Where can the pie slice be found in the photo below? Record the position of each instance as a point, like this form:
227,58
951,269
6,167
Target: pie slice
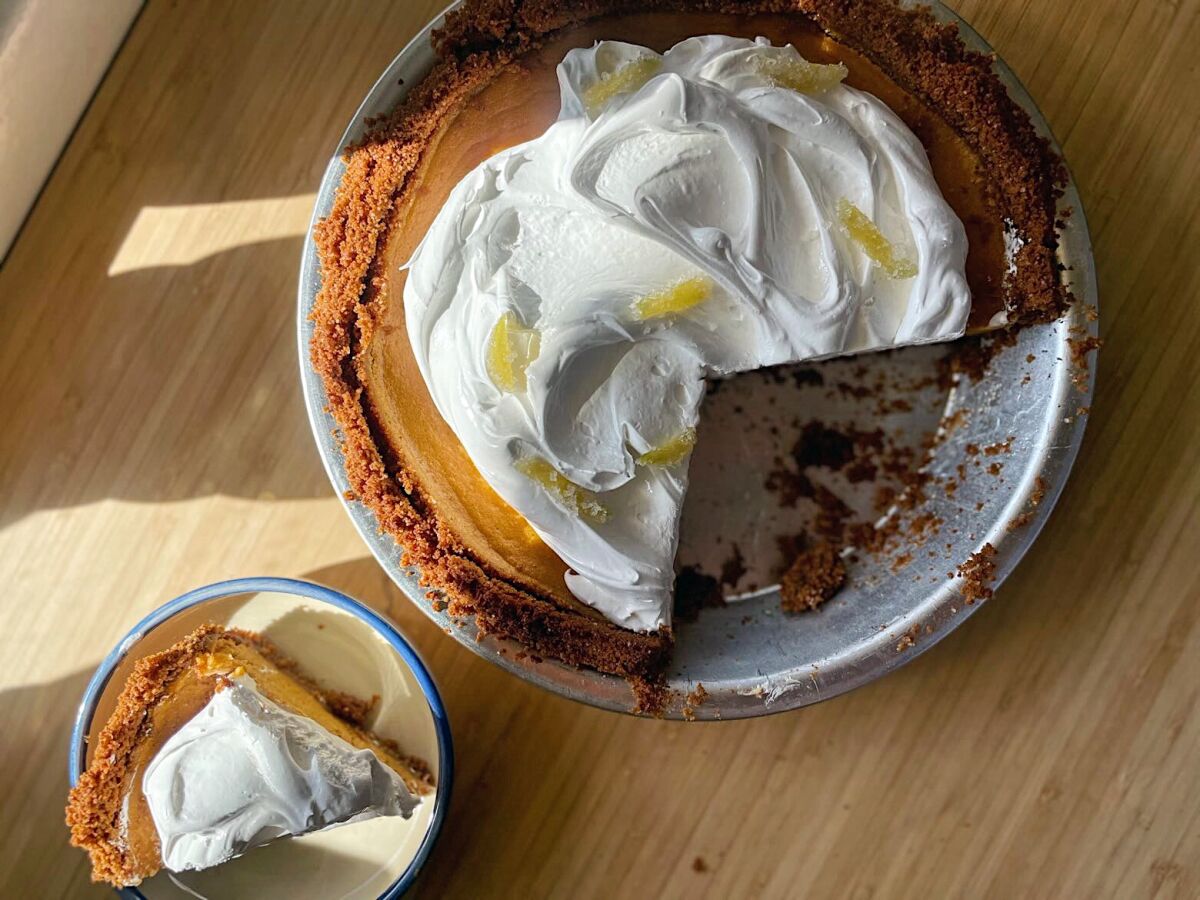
220,744
534,262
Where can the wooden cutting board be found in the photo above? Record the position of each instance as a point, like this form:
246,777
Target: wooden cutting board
154,439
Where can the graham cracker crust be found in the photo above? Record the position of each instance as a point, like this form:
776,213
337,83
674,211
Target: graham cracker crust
923,55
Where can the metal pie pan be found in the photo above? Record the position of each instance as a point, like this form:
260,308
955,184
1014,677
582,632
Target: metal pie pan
751,658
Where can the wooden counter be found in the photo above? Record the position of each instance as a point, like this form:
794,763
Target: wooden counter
154,439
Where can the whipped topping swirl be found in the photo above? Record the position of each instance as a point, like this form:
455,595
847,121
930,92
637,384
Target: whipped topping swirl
711,210
245,771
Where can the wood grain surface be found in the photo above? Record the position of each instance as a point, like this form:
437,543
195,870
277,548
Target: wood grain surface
154,439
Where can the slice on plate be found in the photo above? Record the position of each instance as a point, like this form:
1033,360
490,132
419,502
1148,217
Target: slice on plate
219,744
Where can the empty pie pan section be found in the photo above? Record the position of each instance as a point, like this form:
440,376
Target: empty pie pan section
752,658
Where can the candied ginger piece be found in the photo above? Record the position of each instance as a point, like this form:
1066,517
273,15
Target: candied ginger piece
625,80
671,452
580,501
511,348
800,75
678,298
863,232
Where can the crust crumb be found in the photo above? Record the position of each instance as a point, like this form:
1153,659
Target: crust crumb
693,701
977,574
815,576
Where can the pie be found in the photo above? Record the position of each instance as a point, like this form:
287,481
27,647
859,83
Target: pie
457,269
177,774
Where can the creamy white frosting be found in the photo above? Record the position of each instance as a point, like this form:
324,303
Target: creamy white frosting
709,169
245,771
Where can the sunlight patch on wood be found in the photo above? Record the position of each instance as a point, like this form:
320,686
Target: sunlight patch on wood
184,235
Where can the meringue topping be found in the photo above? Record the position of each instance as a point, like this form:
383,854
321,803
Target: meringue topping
245,771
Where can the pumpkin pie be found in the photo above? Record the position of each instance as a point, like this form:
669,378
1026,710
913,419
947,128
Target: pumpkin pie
580,214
